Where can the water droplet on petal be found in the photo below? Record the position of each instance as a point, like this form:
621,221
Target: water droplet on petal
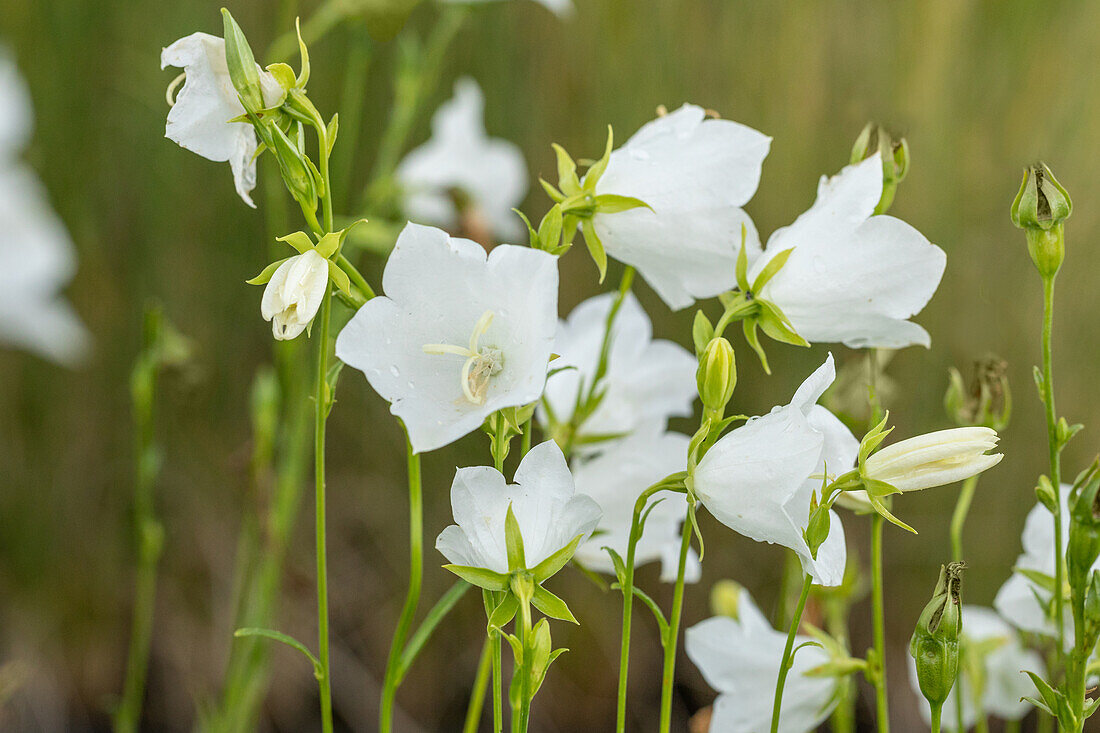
395,371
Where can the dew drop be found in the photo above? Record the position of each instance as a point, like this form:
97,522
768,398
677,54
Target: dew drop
395,371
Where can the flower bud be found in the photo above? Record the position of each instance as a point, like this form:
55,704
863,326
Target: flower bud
294,169
1040,208
934,459
294,294
895,159
1092,611
935,642
725,599
717,374
242,65
817,528
987,402
1083,546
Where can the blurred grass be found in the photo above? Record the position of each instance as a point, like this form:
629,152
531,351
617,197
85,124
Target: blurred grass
979,89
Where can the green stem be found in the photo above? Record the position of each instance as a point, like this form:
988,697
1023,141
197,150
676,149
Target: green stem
1055,462
739,309
412,596
498,681
788,651
959,718
843,719
673,631
481,683
321,414
962,507
878,613
937,710
1011,726
521,707
355,276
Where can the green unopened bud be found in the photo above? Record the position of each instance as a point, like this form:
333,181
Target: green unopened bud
717,374
895,159
817,529
1092,611
725,599
1083,547
292,165
935,642
242,65
987,402
1040,208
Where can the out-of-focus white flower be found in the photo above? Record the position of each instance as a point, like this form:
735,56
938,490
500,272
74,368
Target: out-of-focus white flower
647,381
614,479
549,512
695,174
36,253
458,335
460,157
740,659
998,647
199,119
852,277
1024,603
759,478
294,293
934,459
561,8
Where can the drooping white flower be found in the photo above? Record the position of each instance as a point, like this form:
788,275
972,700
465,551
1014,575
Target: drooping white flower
740,659
36,252
549,512
614,479
1024,603
460,157
852,277
934,459
458,335
199,119
759,478
294,293
695,174
561,8
647,380
1003,683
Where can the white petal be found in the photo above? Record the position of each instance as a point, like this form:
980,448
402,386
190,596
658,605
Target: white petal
810,391
479,501
16,115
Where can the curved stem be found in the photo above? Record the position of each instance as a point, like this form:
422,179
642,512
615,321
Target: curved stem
321,414
412,597
788,651
937,711
481,683
962,507
879,619
1055,462
960,724
673,632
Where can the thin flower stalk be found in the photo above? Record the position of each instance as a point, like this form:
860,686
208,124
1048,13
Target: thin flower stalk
788,651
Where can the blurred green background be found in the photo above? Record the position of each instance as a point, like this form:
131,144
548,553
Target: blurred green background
978,88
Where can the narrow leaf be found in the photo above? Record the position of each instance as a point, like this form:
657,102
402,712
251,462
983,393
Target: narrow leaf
284,639
480,577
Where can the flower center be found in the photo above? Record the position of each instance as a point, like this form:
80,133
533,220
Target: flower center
482,362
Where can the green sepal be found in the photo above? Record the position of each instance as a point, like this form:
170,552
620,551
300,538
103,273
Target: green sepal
596,170
318,670
481,577
881,510
339,278
267,273
550,228
693,520
300,241
595,247
504,612
702,331
775,264
612,203
777,326
873,439
331,131
568,182
303,52
742,268
513,542
749,326
1056,702
555,562
551,605
617,563
532,235
283,74
552,192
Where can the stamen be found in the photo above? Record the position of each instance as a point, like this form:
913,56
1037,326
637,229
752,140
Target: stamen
480,365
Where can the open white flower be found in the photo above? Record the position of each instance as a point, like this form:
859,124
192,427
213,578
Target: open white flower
740,659
561,8
458,336
294,293
549,512
934,459
460,158
852,277
759,478
647,380
1003,684
614,479
36,253
695,174
199,119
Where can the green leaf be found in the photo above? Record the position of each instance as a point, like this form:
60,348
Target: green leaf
651,604
284,639
513,541
1053,698
551,605
553,655
480,577
596,171
555,562
267,273
1044,581
532,235
617,563
300,241
567,172
339,278
775,264
611,203
504,612
595,247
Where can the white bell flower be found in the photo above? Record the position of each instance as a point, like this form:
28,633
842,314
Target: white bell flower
852,277
614,479
1003,682
199,118
934,459
695,174
740,659
461,157
294,293
647,380
543,499
458,335
759,478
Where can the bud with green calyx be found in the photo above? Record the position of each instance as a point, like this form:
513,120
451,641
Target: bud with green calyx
895,159
1040,209
1083,546
716,376
242,65
987,402
935,642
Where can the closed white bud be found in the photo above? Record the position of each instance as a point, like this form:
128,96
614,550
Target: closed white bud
934,459
294,294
